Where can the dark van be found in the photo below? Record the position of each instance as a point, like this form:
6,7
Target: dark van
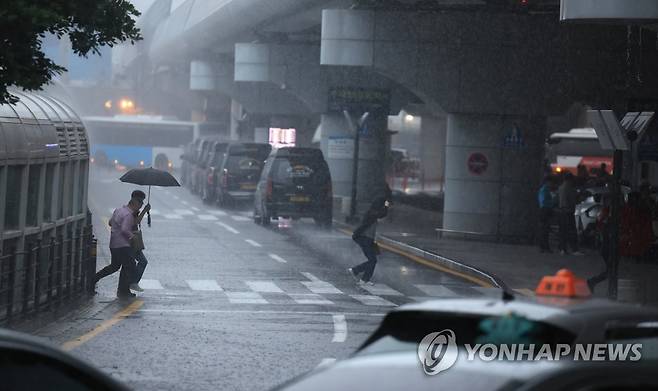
240,171
295,183
213,168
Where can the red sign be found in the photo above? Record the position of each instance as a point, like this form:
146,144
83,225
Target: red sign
477,163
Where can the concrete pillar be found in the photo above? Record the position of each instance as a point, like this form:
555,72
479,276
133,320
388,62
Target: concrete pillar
432,152
492,178
337,144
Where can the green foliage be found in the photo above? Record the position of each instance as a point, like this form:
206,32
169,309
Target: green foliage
89,24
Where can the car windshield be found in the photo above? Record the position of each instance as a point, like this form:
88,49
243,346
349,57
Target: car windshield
229,194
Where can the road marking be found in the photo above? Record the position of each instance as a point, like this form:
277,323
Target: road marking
183,212
176,197
245,298
429,264
436,290
277,258
217,212
204,285
325,362
309,298
310,276
382,289
253,243
321,287
240,218
173,217
422,298
340,328
150,284
264,287
184,202
207,217
228,227
274,312
104,326
373,300
194,208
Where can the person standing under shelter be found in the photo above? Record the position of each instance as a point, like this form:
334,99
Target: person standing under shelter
121,235
546,204
568,198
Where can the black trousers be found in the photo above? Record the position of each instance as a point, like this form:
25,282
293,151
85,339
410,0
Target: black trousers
568,232
122,258
369,250
545,215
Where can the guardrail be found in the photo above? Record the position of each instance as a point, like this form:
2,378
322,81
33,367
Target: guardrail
46,273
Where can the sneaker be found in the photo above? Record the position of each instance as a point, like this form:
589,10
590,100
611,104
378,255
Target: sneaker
367,283
125,295
136,288
577,253
351,273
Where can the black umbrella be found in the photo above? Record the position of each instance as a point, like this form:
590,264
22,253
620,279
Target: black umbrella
149,177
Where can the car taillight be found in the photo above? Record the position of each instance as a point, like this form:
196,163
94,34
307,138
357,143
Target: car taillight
268,190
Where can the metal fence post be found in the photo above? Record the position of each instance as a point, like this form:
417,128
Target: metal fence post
37,275
51,271
59,266
11,283
27,272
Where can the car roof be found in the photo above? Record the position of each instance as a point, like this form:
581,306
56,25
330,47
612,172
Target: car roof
402,370
563,312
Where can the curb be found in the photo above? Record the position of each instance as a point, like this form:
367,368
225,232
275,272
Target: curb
459,267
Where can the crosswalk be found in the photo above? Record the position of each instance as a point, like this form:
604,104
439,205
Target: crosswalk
311,292
194,213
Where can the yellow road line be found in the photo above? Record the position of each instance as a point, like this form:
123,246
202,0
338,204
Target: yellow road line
429,264
104,326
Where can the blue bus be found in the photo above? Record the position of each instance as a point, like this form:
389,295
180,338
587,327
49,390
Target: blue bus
138,141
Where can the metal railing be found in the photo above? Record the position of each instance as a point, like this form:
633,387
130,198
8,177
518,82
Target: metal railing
46,273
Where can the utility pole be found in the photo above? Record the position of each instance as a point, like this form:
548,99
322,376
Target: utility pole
356,129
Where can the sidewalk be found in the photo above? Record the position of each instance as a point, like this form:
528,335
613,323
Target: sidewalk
518,267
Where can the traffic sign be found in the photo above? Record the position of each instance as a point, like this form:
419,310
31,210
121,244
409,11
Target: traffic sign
477,163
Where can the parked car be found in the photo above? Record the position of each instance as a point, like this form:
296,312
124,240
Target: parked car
28,364
213,169
295,183
240,171
389,358
199,170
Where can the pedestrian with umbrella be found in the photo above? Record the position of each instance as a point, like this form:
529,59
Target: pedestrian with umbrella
149,177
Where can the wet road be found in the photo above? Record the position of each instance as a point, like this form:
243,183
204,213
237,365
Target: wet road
232,305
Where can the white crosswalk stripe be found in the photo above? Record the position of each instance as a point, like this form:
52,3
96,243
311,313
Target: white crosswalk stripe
207,217
309,298
240,218
217,212
373,300
173,217
150,284
382,289
245,298
183,212
310,276
194,208
321,287
277,258
436,290
253,243
264,287
204,285
228,227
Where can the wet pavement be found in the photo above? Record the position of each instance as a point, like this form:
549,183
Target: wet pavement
232,305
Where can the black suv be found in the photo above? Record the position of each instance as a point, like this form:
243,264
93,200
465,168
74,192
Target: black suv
240,171
295,183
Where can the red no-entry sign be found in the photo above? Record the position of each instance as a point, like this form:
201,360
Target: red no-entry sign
477,163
